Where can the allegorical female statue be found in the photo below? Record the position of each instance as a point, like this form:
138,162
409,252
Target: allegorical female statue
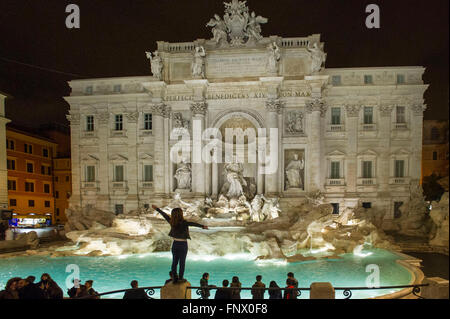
183,175
294,169
198,64
317,57
274,57
156,64
234,174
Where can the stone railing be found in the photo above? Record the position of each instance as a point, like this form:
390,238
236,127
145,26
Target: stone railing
400,126
294,42
367,181
336,128
120,133
369,127
89,133
90,185
146,184
335,181
399,180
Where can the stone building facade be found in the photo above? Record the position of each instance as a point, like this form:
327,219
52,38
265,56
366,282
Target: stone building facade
355,134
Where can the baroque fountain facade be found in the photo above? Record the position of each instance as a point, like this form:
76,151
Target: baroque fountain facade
344,158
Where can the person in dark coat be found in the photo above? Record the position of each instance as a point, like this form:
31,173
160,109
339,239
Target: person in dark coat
136,293
30,290
90,291
11,291
258,288
179,231
235,283
290,292
222,293
274,293
73,291
205,292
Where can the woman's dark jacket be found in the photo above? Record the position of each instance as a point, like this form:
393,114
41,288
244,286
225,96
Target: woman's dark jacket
181,231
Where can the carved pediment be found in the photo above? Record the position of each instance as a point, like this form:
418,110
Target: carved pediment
400,152
89,158
368,152
146,156
118,158
336,153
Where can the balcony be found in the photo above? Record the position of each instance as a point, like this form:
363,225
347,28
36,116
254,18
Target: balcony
335,182
400,126
369,127
118,188
367,181
146,133
122,133
89,134
399,181
336,128
90,188
147,184
91,185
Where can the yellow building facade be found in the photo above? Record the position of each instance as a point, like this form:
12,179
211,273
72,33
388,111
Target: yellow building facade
435,148
30,176
63,187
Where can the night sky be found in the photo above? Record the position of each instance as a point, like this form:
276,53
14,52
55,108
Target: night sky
114,35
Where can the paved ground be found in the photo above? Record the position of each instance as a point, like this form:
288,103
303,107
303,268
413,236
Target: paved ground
434,264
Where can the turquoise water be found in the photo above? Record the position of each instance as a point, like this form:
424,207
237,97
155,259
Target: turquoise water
113,273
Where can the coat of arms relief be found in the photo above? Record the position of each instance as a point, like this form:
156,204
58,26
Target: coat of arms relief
238,26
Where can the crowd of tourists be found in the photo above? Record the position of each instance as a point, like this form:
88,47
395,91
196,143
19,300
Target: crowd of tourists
233,290
46,288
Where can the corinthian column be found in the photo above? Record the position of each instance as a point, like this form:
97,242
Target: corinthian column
273,108
416,139
315,109
159,112
198,109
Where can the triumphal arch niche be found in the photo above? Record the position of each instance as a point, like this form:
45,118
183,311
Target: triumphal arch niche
353,134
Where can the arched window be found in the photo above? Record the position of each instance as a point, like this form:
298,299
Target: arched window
434,133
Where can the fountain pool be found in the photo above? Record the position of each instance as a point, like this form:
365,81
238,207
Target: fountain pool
113,273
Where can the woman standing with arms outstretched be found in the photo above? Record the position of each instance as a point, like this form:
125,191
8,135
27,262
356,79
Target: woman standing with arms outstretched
179,231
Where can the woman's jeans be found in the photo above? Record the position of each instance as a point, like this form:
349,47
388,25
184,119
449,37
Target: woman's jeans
179,252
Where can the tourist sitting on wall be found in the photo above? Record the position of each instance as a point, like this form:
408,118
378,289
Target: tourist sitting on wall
90,291
29,290
235,293
44,285
258,288
290,292
274,291
223,293
204,283
179,231
73,291
80,292
10,291
136,293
